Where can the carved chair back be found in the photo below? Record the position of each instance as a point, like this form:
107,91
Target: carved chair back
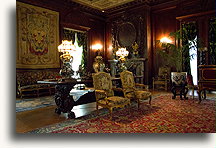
103,81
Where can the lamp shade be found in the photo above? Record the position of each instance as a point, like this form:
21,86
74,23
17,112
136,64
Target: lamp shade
66,46
122,52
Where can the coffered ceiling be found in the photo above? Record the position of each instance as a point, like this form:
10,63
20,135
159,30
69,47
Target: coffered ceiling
103,4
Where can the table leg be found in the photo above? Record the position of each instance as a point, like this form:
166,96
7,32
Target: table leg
202,95
63,100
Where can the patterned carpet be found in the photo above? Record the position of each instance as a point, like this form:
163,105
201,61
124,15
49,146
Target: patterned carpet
164,116
34,103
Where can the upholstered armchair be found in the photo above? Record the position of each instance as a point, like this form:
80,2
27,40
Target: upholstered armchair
163,78
104,93
132,90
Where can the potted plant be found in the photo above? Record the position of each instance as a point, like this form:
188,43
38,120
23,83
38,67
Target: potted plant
175,55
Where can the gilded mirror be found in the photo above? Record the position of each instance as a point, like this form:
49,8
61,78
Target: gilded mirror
126,34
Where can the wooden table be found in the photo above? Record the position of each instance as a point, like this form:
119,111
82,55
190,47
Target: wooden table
63,99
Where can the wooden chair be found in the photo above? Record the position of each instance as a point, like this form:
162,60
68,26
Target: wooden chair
190,84
134,90
104,93
163,78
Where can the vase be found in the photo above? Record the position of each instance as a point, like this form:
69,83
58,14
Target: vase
179,78
179,82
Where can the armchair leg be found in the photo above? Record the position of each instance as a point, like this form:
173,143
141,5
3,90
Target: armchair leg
97,109
150,98
129,108
138,103
193,93
110,110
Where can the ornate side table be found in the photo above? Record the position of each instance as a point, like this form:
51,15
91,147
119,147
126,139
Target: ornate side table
63,99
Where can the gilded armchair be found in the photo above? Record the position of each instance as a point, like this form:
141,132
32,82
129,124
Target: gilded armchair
163,78
132,90
104,93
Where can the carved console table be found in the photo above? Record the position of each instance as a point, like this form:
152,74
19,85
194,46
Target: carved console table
63,99
207,80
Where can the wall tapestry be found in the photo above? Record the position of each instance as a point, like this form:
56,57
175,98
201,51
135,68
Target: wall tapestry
37,37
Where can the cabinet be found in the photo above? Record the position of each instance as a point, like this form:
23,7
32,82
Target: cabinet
207,80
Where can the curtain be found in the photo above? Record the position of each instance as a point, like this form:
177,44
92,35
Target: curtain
212,41
69,34
189,33
82,41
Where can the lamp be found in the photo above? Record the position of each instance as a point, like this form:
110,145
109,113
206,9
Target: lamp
165,40
122,53
98,64
97,47
66,48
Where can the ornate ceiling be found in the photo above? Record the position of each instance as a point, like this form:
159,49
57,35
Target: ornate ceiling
104,5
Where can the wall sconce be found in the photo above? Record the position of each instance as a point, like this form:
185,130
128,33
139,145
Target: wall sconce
98,48
165,40
98,64
66,48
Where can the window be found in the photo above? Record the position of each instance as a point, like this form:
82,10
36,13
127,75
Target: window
79,39
193,59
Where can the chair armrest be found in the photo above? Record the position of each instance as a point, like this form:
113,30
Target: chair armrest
100,94
141,85
117,89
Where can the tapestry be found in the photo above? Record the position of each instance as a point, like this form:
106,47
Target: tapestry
37,37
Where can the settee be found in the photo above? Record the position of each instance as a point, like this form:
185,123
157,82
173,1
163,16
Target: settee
27,86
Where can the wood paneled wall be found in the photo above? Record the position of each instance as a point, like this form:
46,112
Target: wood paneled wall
167,17
140,18
159,20
76,17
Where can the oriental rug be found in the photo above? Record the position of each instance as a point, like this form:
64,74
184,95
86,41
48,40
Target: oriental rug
34,103
165,115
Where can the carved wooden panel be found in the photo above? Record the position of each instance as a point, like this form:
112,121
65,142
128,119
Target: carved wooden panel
127,30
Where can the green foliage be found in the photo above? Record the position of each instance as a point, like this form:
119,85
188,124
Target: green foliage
176,55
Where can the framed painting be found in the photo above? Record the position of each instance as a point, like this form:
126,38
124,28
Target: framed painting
37,37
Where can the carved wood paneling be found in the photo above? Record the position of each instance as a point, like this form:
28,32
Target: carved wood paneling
123,36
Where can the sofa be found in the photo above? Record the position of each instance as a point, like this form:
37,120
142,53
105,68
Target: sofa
27,86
